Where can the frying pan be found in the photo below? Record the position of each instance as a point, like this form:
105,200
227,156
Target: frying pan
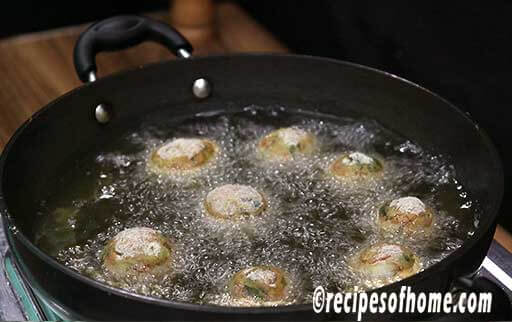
104,109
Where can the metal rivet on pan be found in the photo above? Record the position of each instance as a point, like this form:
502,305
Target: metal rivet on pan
201,88
91,77
102,114
183,53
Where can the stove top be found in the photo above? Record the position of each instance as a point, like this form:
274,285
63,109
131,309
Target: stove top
18,302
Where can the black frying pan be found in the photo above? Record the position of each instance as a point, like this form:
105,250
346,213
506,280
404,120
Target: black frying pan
104,109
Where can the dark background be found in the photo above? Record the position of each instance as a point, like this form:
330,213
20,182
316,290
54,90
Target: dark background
459,49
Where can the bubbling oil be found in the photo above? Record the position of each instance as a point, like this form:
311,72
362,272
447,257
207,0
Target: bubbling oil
311,228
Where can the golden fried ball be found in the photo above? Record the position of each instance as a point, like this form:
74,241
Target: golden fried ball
182,154
234,201
285,143
387,261
260,285
137,251
407,214
355,164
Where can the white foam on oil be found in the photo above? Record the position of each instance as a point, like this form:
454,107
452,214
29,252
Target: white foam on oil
313,223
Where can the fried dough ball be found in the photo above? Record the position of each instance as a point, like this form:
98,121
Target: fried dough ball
182,154
355,164
285,143
234,201
138,251
258,285
386,261
407,214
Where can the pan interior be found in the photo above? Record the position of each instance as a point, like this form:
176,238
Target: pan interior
313,226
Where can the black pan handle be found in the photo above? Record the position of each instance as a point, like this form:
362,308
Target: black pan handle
122,32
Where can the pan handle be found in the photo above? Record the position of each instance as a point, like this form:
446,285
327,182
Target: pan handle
122,32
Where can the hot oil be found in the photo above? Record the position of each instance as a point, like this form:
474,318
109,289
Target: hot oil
314,222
